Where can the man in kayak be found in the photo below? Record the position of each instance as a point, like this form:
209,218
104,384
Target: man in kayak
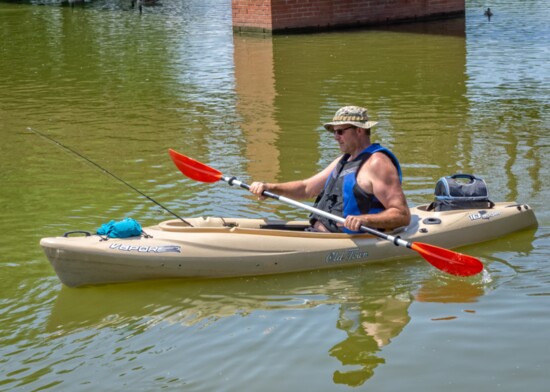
363,185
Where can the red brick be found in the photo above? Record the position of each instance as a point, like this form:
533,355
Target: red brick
276,15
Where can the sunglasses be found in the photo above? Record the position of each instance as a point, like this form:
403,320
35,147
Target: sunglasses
340,132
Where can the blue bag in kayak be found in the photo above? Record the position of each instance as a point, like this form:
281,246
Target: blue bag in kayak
127,227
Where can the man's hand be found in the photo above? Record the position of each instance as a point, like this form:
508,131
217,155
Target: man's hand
258,188
354,223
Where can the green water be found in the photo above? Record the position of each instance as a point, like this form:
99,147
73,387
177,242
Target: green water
464,95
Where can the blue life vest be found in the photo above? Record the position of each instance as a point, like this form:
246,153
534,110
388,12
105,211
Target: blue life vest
342,196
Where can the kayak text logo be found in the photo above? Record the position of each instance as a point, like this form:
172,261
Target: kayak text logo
346,255
146,249
483,215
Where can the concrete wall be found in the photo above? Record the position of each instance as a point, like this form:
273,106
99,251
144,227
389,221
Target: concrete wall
279,16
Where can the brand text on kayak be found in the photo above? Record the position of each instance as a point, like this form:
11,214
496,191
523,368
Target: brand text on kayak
146,249
346,255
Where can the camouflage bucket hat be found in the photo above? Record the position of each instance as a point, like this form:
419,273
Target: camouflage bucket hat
353,115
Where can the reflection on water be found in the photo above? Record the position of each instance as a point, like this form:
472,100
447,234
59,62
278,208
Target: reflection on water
200,301
449,290
369,325
255,87
371,312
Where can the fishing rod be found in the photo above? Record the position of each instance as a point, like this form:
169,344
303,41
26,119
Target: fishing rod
67,148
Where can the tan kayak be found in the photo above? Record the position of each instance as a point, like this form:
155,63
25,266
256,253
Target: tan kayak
227,247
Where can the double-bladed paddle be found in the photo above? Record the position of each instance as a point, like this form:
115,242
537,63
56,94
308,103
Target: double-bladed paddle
444,259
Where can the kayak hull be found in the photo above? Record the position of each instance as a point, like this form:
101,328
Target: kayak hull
236,247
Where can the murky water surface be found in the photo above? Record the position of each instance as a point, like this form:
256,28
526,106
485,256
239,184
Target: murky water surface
464,95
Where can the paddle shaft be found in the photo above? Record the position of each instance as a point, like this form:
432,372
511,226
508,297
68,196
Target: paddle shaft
396,240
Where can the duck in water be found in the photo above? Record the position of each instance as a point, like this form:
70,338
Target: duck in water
141,3
488,13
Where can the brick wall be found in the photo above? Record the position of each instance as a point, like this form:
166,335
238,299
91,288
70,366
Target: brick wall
285,15
252,14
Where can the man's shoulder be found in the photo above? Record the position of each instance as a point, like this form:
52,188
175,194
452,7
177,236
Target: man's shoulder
378,165
379,156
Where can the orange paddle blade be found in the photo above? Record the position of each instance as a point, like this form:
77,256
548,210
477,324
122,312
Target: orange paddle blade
194,169
448,261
